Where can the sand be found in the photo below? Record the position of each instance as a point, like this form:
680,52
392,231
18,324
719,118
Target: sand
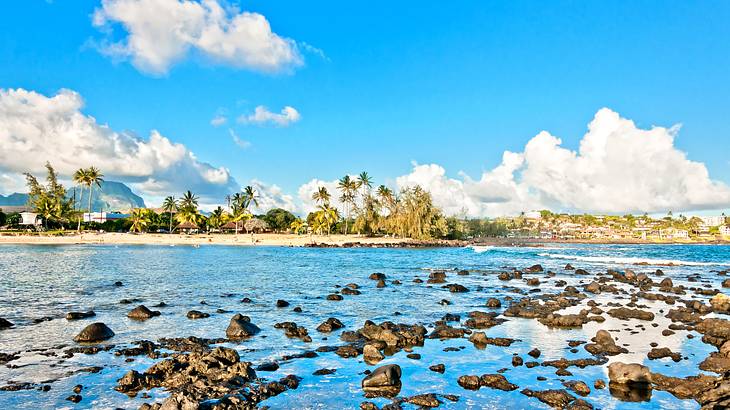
265,239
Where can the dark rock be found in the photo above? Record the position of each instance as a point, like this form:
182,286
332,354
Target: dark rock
632,373
334,297
195,314
662,352
626,314
604,344
241,327
438,368
95,332
493,303
267,367
534,353
141,312
4,323
324,372
428,400
282,303
578,387
76,315
469,382
384,380
496,381
330,325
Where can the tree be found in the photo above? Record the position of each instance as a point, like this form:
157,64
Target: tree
297,226
324,218
189,201
348,188
170,206
94,177
251,196
81,178
217,218
279,219
50,200
140,219
322,196
365,182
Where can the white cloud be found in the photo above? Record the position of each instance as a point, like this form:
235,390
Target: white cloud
218,120
618,168
262,115
306,190
272,196
243,144
35,129
160,33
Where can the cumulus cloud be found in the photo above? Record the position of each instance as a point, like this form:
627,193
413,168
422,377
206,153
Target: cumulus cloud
160,33
306,190
272,196
218,120
618,168
262,115
35,128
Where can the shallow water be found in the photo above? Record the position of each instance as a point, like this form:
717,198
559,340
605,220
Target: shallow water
49,281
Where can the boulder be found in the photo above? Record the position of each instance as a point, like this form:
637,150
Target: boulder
628,373
141,312
95,332
604,344
493,303
79,315
195,314
720,303
330,325
4,323
496,381
241,327
371,354
384,380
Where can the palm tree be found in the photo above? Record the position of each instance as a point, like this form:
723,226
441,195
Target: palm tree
217,218
322,195
139,219
81,178
364,181
95,177
326,216
251,196
189,201
347,187
297,226
228,200
170,205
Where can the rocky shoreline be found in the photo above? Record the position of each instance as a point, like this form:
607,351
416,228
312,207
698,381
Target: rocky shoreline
201,374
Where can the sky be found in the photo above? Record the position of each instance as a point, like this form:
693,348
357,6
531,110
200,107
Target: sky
495,107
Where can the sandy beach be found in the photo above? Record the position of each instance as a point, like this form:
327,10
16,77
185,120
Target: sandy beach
264,239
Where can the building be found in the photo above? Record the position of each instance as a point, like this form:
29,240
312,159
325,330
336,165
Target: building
30,218
725,230
712,221
101,217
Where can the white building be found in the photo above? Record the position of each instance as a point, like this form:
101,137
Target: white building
30,218
725,230
102,217
712,221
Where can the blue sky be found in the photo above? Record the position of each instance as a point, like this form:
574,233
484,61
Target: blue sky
453,84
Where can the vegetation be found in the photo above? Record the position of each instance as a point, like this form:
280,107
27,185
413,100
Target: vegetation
278,219
49,201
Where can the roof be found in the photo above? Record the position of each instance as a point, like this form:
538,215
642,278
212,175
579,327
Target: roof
187,225
230,225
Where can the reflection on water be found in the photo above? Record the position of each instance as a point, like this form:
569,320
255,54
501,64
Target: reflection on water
49,281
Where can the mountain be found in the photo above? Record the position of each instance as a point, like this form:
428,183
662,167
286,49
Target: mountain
112,196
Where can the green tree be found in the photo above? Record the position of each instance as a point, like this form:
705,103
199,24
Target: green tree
94,177
279,219
140,220
348,189
170,206
49,200
322,196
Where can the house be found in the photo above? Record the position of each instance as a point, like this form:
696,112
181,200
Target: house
725,230
102,217
712,221
30,218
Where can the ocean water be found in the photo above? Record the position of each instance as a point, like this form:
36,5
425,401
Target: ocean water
49,281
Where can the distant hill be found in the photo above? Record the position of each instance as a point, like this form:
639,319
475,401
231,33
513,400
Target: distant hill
113,196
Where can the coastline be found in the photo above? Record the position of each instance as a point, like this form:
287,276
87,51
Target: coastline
272,239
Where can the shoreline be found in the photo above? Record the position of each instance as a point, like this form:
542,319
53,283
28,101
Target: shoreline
290,240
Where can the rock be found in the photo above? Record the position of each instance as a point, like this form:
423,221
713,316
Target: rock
74,398
438,368
371,354
384,377
456,288
496,381
493,303
659,353
726,283
95,332
282,303
534,353
631,373
720,303
480,339
194,314
558,399
4,323
517,361
347,351
428,400
267,367
564,321
334,297
377,276
604,344
142,313
241,327
578,387
380,284
593,287
469,382
626,314
118,283
324,372
599,384
533,282
534,269
666,283
436,277
330,325
77,315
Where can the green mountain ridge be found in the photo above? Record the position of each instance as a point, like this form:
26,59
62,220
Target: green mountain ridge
112,196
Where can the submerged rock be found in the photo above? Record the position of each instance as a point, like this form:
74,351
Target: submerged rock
195,314
95,332
78,315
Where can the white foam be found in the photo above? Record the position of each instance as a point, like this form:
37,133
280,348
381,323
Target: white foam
628,260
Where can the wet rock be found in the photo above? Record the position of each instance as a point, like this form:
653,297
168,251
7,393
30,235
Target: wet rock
95,332
293,330
726,283
720,303
558,399
330,325
75,315
636,392
436,277
469,382
348,291
377,276
371,354
384,380
482,320
74,398
626,314
4,323
493,303
496,381
666,283
569,267
481,339
267,367
282,303
456,288
564,321
604,344
438,368
428,400
334,297
534,353
683,388
141,312
324,372
578,387
533,282
241,327
534,269
631,373
517,361
599,384
380,284
195,314
347,351
662,352
393,335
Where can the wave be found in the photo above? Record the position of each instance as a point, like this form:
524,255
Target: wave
481,248
628,260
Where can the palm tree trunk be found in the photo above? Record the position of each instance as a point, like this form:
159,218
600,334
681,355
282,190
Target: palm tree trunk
91,187
170,231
